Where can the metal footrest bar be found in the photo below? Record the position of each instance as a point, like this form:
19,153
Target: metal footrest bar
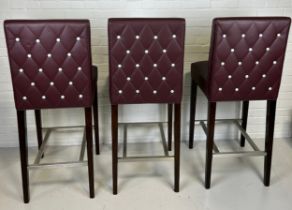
126,158
217,153
36,164
144,158
59,164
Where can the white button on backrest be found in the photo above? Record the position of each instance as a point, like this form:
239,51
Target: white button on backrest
40,70
163,78
119,66
257,62
220,89
246,76
146,78
270,88
128,78
60,69
260,35
49,55
51,83
37,41
43,97
155,37
29,55
137,37
80,96
249,49
24,98
70,83
58,39
264,75
128,51
78,38
267,49
239,63
242,35
79,68
253,88
118,36
120,91
137,91
17,39
236,89
32,84
278,35
137,65
229,76
154,65
224,35
20,70
232,50
164,50
146,51
172,65
274,62
62,97
69,54
154,91
174,36
222,63
171,91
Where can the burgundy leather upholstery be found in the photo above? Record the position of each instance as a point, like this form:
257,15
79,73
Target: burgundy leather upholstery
146,60
246,59
50,62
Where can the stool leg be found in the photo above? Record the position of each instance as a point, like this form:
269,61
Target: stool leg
210,143
96,126
169,126
192,113
177,114
244,121
88,131
22,132
115,147
270,123
38,121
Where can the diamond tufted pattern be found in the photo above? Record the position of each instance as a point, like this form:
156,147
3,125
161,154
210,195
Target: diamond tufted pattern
50,62
246,59
146,60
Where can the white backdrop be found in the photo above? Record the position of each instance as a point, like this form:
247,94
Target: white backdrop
198,15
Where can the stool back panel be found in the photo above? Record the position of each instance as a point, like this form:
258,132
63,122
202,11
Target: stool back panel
50,63
246,58
146,60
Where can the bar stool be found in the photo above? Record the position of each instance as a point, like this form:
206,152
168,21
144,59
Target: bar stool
146,66
50,63
245,63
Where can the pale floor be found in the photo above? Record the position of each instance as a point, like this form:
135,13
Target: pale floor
236,182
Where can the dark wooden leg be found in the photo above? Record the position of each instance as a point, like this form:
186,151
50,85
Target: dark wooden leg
244,121
22,132
88,127
95,116
192,114
38,121
169,126
177,113
210,143
270,123
115,147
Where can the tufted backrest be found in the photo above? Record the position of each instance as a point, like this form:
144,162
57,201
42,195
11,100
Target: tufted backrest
50,62
246,58
146,60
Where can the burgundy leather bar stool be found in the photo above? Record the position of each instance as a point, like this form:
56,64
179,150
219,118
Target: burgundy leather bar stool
245,63
50,63
146,66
